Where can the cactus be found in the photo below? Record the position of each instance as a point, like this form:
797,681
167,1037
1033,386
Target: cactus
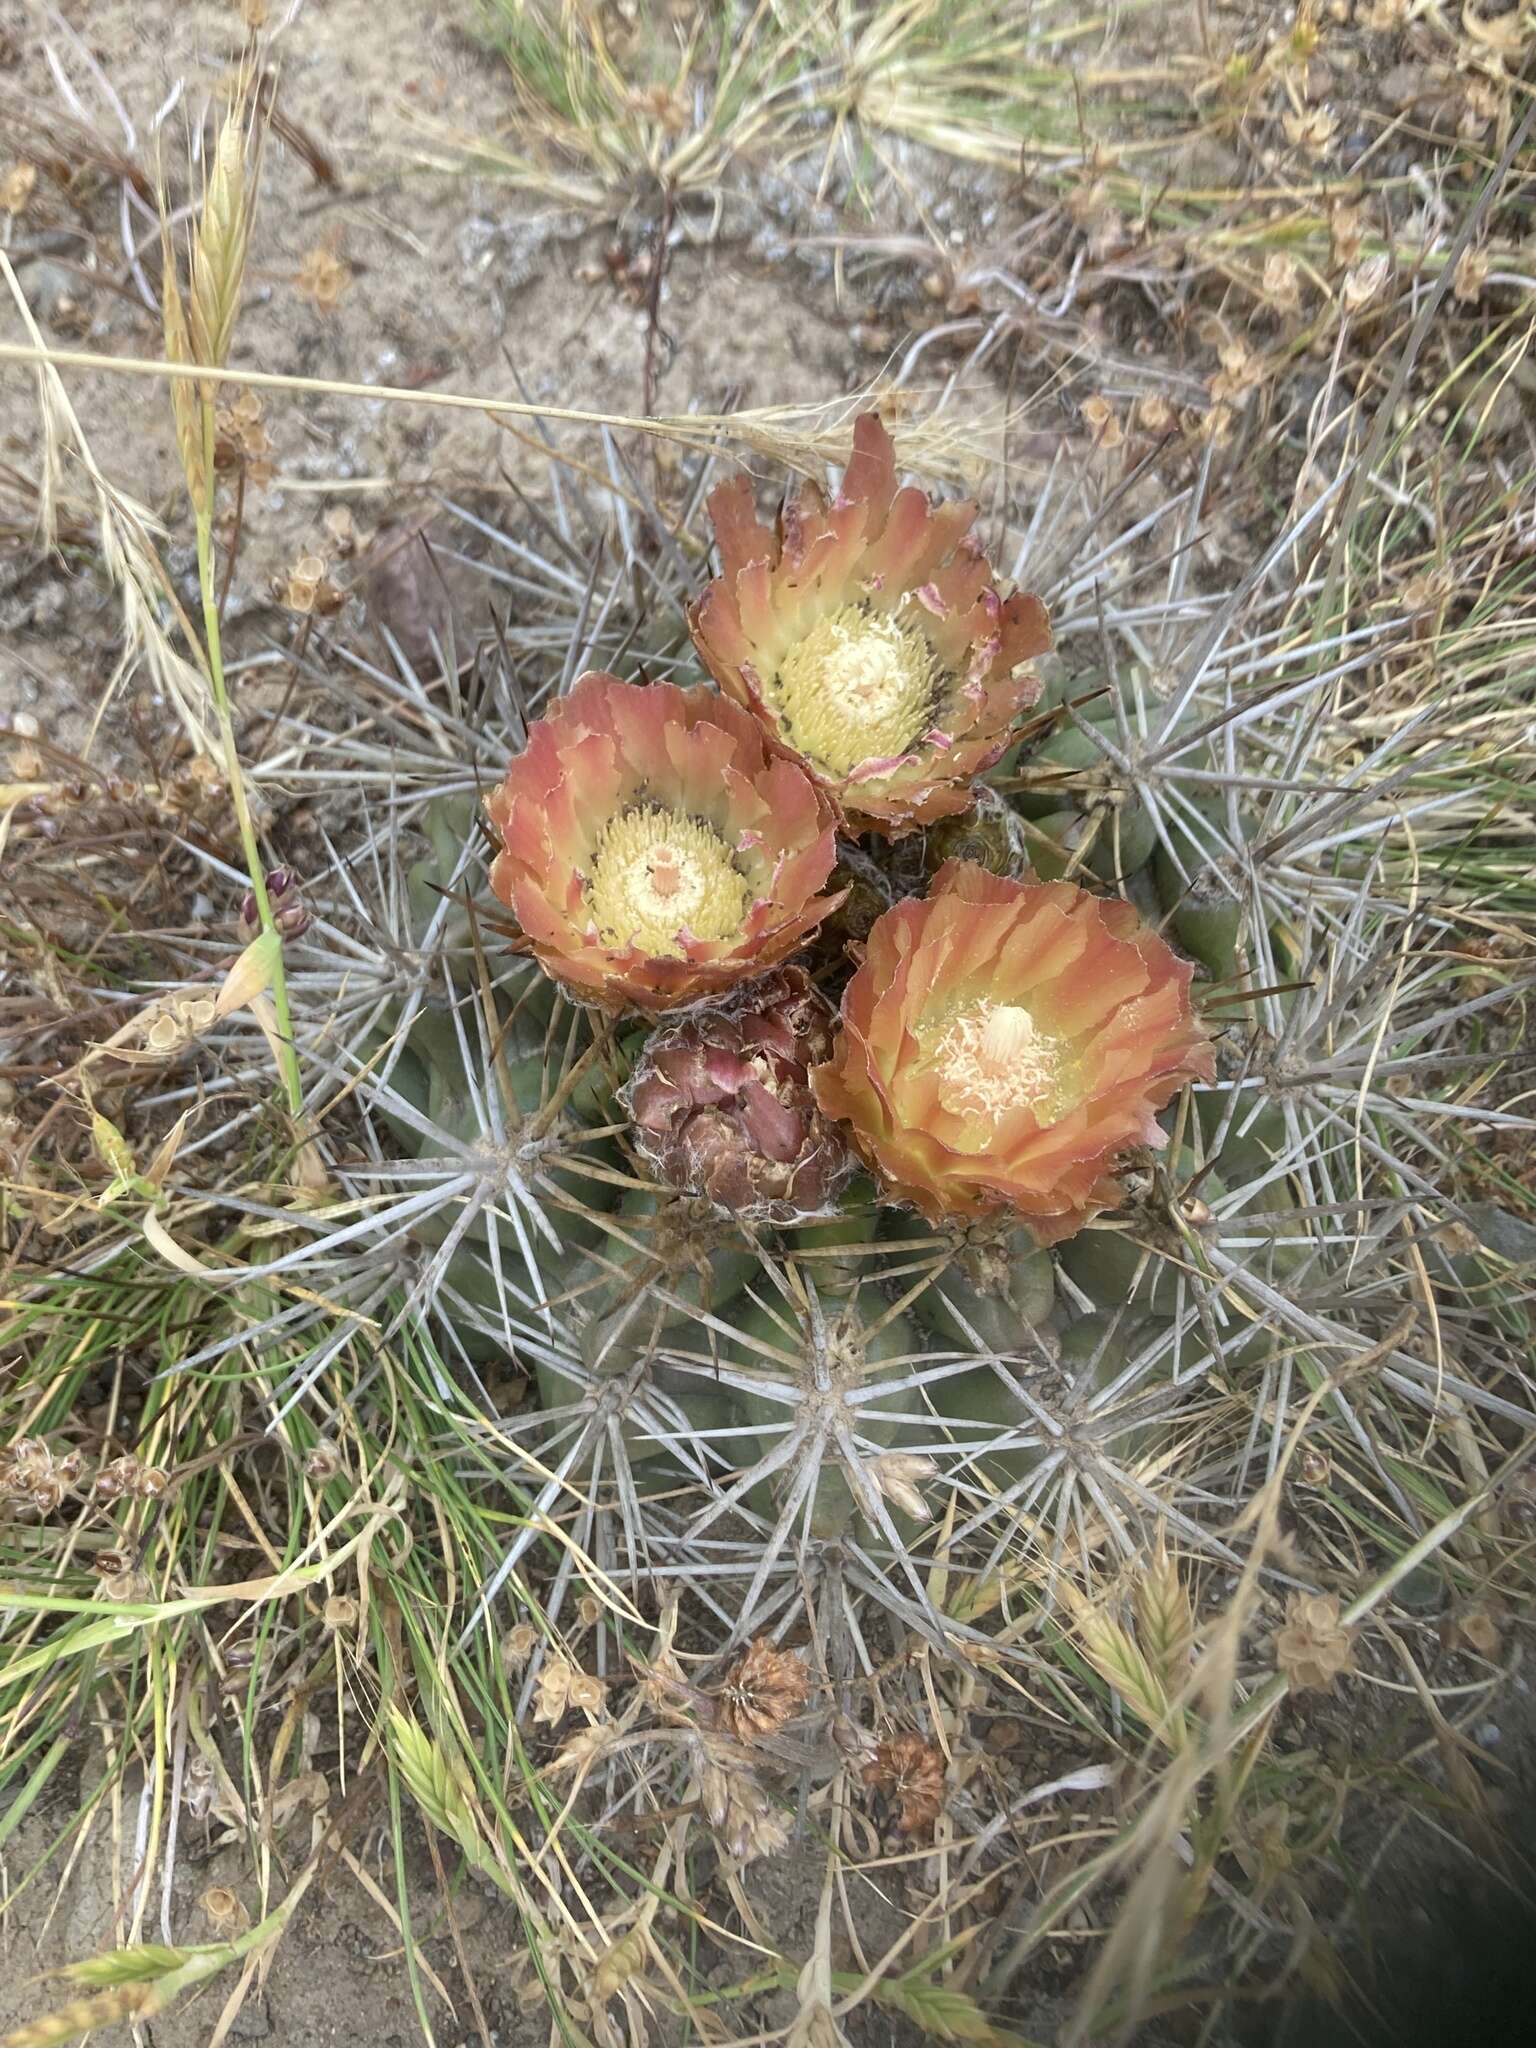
763,1370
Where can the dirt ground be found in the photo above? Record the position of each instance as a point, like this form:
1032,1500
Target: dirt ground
446,280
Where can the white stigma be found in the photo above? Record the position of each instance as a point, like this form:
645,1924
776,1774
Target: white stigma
996,1058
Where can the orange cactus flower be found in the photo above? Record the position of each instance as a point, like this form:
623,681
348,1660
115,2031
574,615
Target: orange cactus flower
655,848
1004,1042
868,636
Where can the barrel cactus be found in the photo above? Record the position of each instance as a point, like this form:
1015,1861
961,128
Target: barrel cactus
839,1130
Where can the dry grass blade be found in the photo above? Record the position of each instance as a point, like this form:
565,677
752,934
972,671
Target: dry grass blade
801,438
126,533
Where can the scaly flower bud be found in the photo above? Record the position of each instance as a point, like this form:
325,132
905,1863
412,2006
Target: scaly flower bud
722,1106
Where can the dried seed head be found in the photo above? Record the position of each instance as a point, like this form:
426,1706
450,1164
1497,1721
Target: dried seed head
16,187
226,1911
563,1686
1470,276
744,1821
1104,428
766,1689
322,279
586,1693
1313,1650
133,1587
27,1460
1478,1626
322,1464
554,1691
518,1645
898,1475
197,1787
32,1477
1282,281
1365,282
910,1772
119,1478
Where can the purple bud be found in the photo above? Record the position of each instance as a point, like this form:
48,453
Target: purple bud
289,915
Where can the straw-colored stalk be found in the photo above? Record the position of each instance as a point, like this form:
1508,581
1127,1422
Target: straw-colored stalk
198,331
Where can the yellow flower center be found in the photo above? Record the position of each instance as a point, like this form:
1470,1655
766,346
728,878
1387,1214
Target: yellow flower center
657,874
860,686
995,1058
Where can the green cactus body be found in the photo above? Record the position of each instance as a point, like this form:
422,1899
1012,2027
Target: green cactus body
1080,797
612,1347
1124,842
688,1249
1208,925
1113,1264
625,1323
853,1346
999,1282
838,1255
981,1400
1095,1351
1070,752
1051,841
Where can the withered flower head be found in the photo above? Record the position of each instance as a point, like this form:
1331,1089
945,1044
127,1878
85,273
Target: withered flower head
655,848
31,1476
910,1772
290,914
1005,1042
868,635
1313,1649
766,1689
721,1103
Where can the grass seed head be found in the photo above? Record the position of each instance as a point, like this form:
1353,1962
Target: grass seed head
744,1820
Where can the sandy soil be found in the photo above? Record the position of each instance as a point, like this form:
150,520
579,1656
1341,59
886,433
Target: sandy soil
445,280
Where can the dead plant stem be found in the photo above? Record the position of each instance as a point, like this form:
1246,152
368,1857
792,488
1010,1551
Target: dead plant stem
207,586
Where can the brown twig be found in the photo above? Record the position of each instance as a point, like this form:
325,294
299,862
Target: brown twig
653,301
